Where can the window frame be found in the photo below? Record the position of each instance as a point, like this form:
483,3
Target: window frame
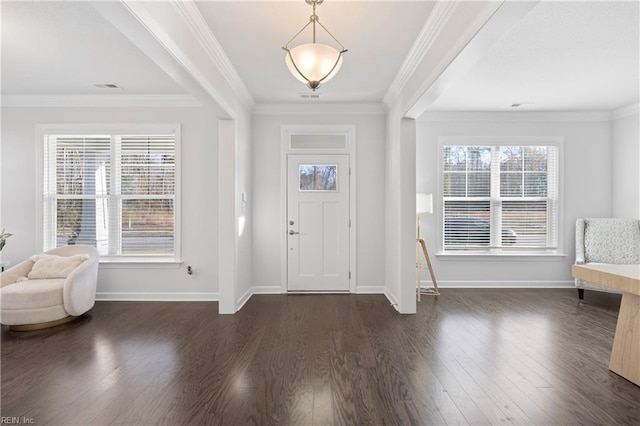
44,130
556,141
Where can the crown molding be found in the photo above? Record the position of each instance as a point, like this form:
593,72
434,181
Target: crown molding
559,116
439,16
190,14
100,101
627,111
319,108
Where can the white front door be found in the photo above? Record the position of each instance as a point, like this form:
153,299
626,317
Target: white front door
318,223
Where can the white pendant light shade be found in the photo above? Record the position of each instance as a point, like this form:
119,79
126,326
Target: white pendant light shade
313,63
317,62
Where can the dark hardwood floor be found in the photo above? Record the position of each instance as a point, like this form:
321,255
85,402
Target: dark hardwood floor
468,357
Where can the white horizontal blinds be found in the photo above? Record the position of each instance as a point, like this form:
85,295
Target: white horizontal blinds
467,197
114,192
147,193
500,198
528,192
76,184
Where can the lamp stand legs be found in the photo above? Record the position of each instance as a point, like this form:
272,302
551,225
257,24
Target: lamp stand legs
422,245
418,267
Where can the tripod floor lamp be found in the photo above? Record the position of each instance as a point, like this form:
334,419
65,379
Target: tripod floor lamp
424,204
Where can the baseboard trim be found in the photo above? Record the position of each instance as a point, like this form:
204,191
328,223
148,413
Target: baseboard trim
370,289
500,284
156,297
244,299
214,297
278,290
267,290
256,290
391,298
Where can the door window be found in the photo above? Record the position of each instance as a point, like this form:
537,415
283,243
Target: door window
318,177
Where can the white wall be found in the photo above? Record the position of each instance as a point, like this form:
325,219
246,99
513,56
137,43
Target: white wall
586,187
199,197
266,203
626,162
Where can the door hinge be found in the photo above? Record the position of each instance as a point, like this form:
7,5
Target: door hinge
349,223
349,274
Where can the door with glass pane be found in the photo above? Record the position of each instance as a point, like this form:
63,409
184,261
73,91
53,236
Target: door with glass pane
318,223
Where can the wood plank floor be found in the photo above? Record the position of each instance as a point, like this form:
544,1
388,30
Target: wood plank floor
468,357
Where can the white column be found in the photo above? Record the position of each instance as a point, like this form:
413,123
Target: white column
407,217
227,235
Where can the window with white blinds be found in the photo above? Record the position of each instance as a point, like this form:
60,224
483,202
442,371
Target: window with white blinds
116,192
500,197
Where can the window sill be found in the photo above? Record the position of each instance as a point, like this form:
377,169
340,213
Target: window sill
500,256
140,263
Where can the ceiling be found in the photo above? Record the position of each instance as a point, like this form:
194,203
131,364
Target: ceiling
559,56
63,48
252,35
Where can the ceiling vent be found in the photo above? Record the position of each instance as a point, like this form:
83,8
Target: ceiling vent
310,95
519,104
107,86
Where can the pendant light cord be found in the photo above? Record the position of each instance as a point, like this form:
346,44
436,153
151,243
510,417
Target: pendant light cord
313,19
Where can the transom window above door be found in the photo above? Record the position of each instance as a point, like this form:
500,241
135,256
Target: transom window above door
318,141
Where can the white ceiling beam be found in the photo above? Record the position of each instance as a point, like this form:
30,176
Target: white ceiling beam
431,30
172,35
450,27
508,15
191,15
132,28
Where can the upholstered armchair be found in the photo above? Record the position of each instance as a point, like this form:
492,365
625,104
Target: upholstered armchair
606,241
49,289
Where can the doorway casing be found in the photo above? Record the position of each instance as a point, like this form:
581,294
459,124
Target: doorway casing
286,131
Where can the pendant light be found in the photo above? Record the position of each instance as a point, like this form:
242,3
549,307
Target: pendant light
313,63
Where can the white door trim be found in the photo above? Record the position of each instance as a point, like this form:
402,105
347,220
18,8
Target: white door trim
285,134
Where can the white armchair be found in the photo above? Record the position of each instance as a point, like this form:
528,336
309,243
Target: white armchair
606,241
49,289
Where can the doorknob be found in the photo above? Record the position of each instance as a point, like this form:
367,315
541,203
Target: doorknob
292,232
